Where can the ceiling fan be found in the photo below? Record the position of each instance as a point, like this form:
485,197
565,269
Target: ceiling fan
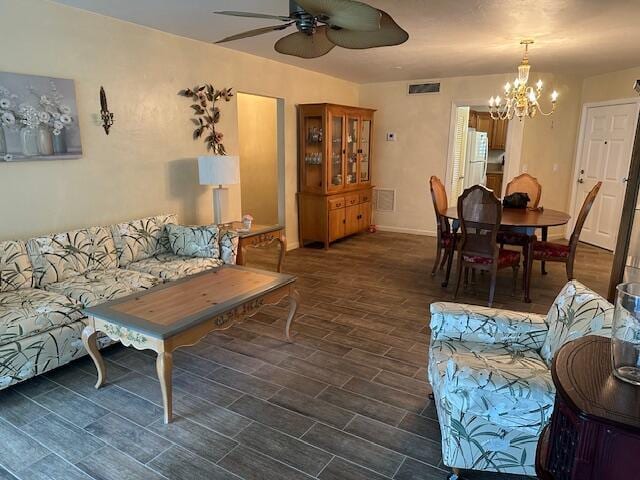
323,24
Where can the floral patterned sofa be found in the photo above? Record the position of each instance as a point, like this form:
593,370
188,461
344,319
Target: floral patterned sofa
491,378
45,284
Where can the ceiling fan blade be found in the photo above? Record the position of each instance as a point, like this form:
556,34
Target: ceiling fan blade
254,15
348,14
253,33
390,33
305,46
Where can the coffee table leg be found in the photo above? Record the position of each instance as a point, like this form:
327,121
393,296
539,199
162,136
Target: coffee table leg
164,367
294,300
89,340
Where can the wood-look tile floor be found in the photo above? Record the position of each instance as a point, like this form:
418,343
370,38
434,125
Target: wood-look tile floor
347,400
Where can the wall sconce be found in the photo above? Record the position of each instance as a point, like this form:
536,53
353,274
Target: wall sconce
107,116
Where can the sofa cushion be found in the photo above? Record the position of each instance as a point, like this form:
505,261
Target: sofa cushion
194,241
576,312
15,267
170,267
58,257
28,311
141,239
510,387
99,286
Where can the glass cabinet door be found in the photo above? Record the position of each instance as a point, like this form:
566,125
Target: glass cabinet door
351,174
336,150
365,152
313,153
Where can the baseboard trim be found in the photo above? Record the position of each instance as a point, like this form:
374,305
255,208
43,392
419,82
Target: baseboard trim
292,245
412,231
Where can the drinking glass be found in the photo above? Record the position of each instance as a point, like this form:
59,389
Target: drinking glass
625,335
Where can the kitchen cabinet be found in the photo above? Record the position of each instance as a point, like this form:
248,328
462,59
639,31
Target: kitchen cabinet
498,137
334,180
494,182
484,123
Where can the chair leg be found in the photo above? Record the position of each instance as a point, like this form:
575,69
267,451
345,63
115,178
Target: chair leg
449,266
515,279
455,475
492,288
447,252
437,262
455,295
569,267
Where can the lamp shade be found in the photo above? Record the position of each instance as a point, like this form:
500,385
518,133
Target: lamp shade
219,170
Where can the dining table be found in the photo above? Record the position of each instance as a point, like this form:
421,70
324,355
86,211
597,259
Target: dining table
518,219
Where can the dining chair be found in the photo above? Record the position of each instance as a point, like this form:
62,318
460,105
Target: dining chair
480,213
557,252
521,236
446,239
525,183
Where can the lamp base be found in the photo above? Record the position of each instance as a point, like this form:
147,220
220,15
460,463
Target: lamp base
217,205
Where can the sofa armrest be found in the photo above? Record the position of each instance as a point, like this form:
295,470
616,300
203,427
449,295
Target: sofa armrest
472,323
229,246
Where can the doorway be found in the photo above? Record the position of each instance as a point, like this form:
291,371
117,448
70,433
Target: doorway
604,155
261,149
478,151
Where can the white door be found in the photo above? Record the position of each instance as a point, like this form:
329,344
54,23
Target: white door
605,156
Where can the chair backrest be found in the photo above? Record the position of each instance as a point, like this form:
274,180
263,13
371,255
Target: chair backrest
525,183
440,204
582,216
480,213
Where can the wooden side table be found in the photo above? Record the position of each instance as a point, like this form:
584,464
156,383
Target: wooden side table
594,432
260,236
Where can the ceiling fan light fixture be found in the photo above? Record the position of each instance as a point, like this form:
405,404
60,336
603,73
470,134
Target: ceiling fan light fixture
389,34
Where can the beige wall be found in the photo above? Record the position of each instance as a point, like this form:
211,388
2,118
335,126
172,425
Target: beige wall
147,164
422,124
610,86
257,134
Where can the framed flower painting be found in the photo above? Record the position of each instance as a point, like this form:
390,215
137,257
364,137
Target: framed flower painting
38,118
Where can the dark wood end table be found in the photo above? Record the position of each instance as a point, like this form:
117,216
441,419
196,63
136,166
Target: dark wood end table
594,432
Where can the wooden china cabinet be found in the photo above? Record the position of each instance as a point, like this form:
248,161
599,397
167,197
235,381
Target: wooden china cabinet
334,175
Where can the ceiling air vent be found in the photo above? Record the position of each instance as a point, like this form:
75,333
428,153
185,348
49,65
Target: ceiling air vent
384,199
423,88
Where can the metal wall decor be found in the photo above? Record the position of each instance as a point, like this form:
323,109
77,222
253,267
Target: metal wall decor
107,116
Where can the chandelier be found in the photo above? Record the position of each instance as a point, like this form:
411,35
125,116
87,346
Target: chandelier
520,100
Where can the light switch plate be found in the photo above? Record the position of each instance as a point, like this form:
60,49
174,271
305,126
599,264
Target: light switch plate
391,137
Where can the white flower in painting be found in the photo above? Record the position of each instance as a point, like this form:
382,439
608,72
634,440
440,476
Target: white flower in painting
497,444
44,117
58,125
66,119
5,103
8,118
57,132
8,157
27,370
55,115
5,381
65,110
44,100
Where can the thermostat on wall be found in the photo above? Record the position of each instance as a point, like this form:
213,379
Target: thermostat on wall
391,137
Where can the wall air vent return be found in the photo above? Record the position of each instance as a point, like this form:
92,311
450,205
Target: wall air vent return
423,88
384,199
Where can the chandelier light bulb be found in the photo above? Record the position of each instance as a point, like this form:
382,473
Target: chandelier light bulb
491,101
554,96
532,97
516,83
507,87
539,84
498,101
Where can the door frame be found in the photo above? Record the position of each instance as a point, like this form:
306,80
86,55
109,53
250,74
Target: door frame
579,152
513,151
280,153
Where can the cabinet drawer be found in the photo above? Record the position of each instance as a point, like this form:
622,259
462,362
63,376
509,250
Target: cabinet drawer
352,199
336,203
365,197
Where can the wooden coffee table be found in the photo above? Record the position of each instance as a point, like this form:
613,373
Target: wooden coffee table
181,313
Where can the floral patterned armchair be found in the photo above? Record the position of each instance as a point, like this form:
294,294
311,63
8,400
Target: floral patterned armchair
491,378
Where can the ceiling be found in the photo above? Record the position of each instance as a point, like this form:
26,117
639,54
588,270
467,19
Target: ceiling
448,37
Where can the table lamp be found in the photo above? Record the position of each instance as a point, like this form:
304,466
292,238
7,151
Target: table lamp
218,170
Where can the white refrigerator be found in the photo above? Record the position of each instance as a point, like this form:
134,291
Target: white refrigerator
476,158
